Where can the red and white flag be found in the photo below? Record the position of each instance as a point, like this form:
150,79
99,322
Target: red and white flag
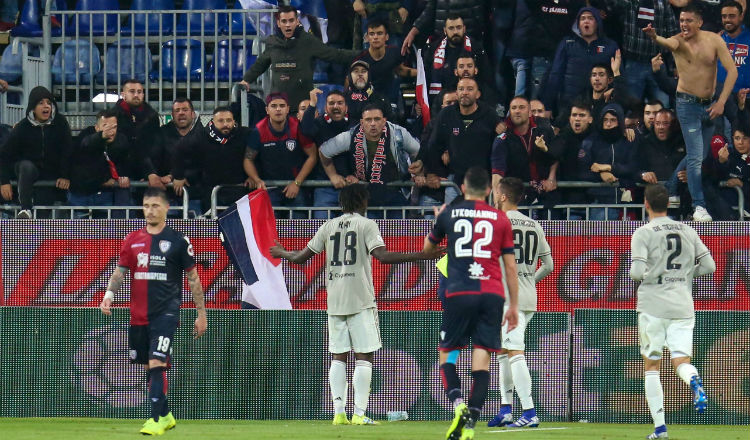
421,93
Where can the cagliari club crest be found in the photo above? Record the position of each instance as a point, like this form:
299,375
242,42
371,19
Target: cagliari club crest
164,246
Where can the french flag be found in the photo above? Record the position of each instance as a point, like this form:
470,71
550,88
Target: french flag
421,93
248,231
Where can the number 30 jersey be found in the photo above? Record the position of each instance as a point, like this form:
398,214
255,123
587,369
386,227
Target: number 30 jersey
669,250
348,241
530,245
478,235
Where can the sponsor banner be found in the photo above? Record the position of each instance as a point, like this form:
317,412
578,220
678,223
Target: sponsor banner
68,263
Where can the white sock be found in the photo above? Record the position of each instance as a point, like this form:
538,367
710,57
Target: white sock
686,372
522,380
654,396
506,380
361,380
337,380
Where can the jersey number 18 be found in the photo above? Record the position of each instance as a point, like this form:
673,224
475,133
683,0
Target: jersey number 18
349,251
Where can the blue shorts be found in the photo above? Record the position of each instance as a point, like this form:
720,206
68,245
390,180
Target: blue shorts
153,340
472,317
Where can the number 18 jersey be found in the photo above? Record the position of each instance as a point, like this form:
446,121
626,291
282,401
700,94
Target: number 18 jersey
348,241
478,235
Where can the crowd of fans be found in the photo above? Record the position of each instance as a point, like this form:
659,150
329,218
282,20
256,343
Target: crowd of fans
533,89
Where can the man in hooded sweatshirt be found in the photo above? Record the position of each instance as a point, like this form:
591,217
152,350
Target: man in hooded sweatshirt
291,51
361,93
38,148
608,156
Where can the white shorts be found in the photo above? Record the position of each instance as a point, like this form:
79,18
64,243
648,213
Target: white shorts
657,333
360,332
514,340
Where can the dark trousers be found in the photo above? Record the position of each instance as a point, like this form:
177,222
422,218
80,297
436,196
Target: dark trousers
27,173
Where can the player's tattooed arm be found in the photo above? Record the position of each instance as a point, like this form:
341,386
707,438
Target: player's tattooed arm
196,289
116,279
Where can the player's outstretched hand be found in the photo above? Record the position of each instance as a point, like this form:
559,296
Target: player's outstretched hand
106,306
435,253
511,318
278,250
201,324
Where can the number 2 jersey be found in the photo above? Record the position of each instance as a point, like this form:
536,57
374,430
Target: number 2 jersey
664,255
348,241
156,263
478,235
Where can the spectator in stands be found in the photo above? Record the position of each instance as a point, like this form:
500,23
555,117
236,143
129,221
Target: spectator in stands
393,14
435,15
564,149
737,38
522,152
301,108
730,165
538,28
277,150
634,120
608,156
381,153
431,193
661,150
362,93
291,52
334,120
575,55
650,110
185,122
466,67
462,136
218,150
139,123
537,108
638,49
665,76
38,148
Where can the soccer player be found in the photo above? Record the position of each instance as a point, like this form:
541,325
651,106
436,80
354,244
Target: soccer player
156,256
348,241
530,247
478,236
666,256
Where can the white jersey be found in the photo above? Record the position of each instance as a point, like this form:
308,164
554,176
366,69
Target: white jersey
348,241
669,250
530,246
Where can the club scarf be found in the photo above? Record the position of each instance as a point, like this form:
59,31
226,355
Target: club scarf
363,95
215,134
378,160
439,57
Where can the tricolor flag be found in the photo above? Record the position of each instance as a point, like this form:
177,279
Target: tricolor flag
422,90
248,230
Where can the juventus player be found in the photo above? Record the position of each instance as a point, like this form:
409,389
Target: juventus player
348,241
530,246
666,256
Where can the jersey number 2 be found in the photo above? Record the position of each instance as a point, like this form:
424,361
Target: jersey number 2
463,243
674,244
350,249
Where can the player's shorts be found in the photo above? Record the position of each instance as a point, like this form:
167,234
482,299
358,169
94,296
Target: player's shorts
471,317
514,340
153,340
360,332
657,333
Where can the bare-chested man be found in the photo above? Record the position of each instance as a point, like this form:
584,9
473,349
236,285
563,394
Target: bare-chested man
696,53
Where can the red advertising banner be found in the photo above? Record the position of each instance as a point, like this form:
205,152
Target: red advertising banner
68,263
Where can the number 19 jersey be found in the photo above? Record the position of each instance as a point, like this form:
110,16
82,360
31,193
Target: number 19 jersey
669,249
478,235
348,241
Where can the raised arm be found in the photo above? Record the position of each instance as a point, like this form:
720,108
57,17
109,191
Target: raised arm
670,43
196,289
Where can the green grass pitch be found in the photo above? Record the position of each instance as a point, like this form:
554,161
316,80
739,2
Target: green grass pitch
113,429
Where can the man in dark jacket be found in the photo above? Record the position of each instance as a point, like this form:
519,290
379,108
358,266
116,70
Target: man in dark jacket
219,150
661,150
608,156
432,19
730,165
291,52
522,152
361,93
185,122
38,148
574,58
564,148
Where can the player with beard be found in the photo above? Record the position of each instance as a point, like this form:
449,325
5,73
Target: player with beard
361,93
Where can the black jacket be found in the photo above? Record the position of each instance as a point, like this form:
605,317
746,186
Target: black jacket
220,163
474,13
357,100
620,95
140,126
539,25
564,148
517,156
90,169
47,145
660,157
321,129
163,152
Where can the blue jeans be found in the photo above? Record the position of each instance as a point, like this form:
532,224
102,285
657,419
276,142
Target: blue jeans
101,198
429,202
697,130
539,68
279,199
325,197
640,79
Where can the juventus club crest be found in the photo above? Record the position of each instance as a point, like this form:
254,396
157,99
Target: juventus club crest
164,246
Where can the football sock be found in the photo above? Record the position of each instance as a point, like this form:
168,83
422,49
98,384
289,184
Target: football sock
361,380
337,380
478,392
157,391
654,396
506,379
522,380
451,383
686,372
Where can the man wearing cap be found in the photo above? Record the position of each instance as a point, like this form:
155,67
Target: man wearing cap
361,92
277,150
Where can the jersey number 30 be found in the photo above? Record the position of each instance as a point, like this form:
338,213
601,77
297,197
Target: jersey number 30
483,231
525,246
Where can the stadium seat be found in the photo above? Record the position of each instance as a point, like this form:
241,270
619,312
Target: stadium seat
75,59
11,66
326,88
315,8
235,60
98,24
139,23
30,20
180,59
260,22
211,22
131,56
236,22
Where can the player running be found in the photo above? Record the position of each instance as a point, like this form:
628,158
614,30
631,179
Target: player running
156,256
530,247
478,235
348,241
666,256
